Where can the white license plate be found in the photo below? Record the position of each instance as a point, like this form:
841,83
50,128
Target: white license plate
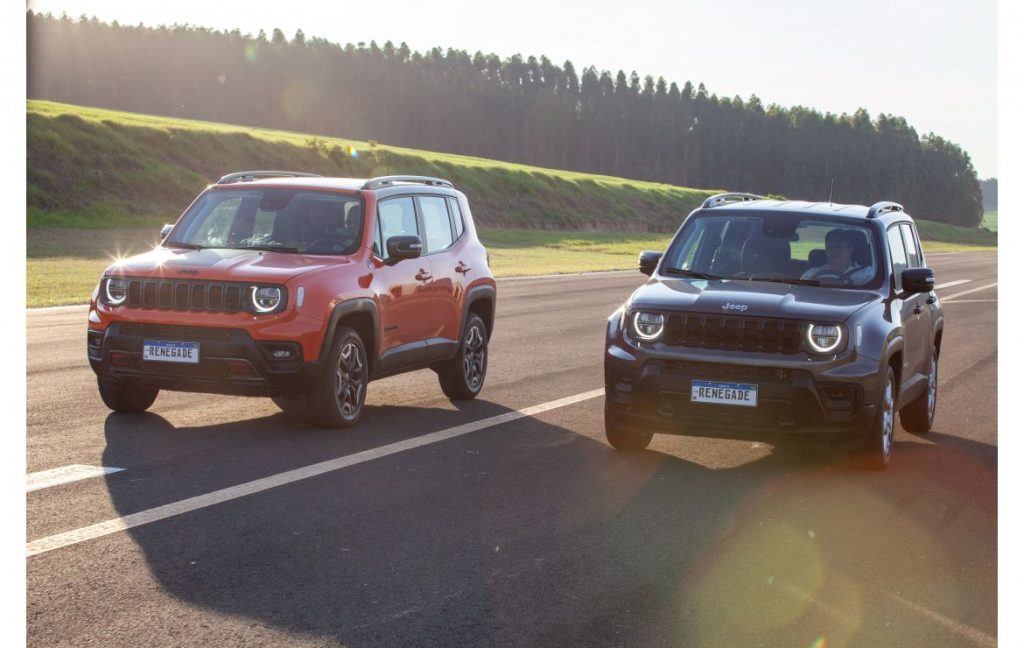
161,351
743,394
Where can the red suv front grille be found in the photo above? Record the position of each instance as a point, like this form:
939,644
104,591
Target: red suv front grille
185,295
746,333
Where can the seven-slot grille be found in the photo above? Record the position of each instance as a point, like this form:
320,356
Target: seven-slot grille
746,333
185,295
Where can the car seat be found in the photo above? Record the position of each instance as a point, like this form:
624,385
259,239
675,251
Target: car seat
765,255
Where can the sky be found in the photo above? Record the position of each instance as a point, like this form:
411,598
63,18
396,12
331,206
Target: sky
930,61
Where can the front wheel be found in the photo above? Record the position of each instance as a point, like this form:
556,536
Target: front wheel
877,448
126,397
462,377
622,438
337,402
917,417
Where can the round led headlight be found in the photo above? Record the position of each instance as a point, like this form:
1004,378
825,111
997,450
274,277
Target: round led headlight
265,299
824,338
648,326
116,290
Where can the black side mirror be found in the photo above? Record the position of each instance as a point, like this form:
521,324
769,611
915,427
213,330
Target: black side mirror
403,247
648,261
917,280
165,230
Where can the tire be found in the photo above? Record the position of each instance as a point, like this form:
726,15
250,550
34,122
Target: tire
462,377
877,450
622,438
126,397
918,416
337,402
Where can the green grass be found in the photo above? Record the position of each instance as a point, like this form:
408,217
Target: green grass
95,168
990,220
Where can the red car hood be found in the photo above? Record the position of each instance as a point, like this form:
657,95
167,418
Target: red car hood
222,265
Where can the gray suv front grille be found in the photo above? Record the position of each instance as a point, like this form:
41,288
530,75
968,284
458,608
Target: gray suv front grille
735,333
186,295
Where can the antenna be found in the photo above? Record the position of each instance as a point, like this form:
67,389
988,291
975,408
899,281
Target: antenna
830,186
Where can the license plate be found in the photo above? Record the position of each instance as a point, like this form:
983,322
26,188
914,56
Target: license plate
743,394
160,351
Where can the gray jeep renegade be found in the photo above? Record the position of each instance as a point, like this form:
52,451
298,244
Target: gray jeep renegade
778,321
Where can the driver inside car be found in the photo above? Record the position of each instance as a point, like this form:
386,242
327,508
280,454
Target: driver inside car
840,263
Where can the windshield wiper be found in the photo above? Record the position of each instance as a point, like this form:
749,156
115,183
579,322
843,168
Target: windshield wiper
184,246
269,247
690,273
789,280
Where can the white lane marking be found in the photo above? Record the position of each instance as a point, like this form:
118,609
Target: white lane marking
968,292
66,475
68,538
971,634
950,284
969,301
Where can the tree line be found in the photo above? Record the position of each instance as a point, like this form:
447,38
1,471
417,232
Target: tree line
516,109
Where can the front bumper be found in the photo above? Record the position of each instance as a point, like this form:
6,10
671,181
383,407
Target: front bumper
827,401
230,361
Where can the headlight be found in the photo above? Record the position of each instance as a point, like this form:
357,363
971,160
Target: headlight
265,299
824,338
116,290
648,326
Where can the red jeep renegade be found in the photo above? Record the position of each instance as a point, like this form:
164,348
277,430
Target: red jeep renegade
301,288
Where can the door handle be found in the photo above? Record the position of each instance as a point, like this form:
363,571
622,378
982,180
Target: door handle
462,267
932,300
423,275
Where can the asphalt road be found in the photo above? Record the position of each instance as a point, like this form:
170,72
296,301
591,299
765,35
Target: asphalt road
531,531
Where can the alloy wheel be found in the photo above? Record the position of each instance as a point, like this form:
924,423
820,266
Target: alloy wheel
350,383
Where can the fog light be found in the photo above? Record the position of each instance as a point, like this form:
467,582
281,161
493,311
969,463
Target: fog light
282,354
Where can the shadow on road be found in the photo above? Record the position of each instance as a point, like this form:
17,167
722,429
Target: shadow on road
531,534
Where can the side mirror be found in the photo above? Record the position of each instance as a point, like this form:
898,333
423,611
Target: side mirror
648,261
403,247
917,280
165,230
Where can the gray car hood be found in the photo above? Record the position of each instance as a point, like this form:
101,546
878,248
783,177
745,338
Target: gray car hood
751,298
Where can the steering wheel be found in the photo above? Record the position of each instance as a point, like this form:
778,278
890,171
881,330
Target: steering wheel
837,274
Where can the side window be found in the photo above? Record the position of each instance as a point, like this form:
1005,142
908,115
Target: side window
395,217
437,226
460,226
908,237
898,254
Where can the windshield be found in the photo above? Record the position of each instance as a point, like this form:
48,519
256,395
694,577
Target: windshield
286,220
788,248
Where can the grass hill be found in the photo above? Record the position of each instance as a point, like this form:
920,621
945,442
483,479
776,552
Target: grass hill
89,167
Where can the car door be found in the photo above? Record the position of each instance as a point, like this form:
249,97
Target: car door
911,311
439,246
923,302
403,289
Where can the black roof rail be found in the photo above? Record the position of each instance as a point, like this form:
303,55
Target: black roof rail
883,207
723,198
249,176
383,181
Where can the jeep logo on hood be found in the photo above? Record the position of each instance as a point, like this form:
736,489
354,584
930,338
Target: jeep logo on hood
734,307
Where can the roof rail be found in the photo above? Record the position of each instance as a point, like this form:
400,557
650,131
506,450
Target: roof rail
883,207
384,181
249,176
721,199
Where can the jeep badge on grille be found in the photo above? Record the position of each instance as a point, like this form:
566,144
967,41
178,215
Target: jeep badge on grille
734,307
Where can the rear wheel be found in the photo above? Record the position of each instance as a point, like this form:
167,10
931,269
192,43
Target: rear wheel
622,438
918,416
877,448
126,397
462,377
337,402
